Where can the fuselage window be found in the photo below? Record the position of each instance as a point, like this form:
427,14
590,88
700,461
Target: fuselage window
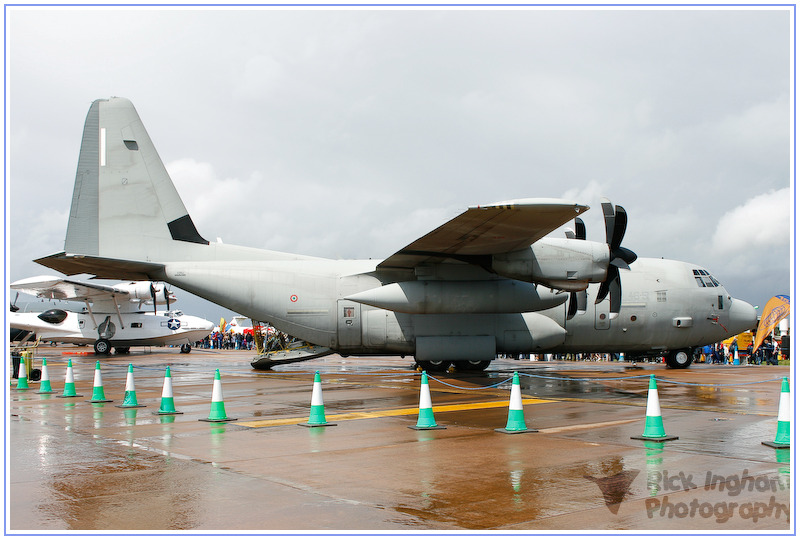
136,325
720,303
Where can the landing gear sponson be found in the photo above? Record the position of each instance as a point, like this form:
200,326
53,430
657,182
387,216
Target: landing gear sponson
441,366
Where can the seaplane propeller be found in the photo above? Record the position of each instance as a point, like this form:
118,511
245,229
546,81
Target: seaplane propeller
154,293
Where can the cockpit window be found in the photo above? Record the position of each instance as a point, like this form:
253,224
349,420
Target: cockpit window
704,279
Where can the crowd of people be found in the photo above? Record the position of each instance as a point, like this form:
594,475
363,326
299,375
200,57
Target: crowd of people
227,340
718,353
244,341
721,353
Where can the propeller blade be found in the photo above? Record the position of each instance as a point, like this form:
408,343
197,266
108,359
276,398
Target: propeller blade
620,224
605,286
153,296
166,296
582,299
620,263
626,255
608,216
580,229
602,292
615,294
573,305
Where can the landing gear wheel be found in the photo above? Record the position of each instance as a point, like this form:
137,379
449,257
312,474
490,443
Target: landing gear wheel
186,348
102,347
472,365
434,366
36,374
680,359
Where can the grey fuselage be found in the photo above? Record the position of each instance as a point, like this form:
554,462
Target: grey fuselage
664,307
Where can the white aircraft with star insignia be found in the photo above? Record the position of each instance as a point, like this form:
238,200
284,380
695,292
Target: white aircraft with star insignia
114,316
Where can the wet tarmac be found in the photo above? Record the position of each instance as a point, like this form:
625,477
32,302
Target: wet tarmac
79,466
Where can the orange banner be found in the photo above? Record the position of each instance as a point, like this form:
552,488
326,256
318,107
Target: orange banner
776,309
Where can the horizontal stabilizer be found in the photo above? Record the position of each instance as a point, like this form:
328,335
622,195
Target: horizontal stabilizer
103,268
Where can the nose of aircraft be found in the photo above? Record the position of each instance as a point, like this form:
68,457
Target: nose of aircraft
742,316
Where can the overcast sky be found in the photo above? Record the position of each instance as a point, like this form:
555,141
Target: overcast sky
349,133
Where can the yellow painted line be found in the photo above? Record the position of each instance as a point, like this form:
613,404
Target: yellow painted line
389,412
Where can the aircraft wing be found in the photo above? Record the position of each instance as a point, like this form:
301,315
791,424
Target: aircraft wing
56,288
487,230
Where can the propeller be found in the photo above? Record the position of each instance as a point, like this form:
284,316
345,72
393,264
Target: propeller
580,230
619,257
577,303
577,300
166,296
153,296
14,307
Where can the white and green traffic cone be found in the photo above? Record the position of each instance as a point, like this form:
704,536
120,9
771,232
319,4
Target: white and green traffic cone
425,418
98,394
44,384
130,401
316,417
516,416
22,374
217,413
783,436
167,400
69,383
654,424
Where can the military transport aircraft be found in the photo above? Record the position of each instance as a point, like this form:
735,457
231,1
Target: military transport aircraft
114,315
486,282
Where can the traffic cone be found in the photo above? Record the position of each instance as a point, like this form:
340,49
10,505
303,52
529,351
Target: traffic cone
654,425
217,413
317,416
130,401
98,395
167,401
44,385
425,418
22,374
782,438
516,417
69,383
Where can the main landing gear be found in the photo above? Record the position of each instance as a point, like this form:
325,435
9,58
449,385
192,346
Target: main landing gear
102,347
680,359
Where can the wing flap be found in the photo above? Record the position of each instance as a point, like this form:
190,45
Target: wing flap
483,231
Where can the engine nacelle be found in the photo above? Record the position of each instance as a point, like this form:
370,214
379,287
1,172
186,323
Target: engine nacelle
141,292
561,263
439,297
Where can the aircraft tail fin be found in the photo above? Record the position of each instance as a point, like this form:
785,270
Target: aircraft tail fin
124,204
